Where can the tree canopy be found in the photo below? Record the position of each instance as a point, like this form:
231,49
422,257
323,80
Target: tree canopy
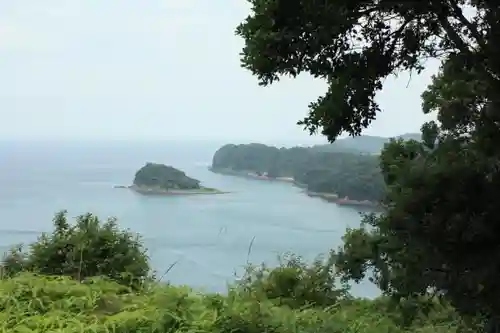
154,175
440,232
354,45
351,175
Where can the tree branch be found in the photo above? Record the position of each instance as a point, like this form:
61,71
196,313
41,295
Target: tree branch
460,16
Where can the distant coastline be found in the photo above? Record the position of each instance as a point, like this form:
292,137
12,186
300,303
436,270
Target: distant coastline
170,192
330,197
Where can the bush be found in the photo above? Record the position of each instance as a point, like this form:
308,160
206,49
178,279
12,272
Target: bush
294,283
31,303
87,249
77,293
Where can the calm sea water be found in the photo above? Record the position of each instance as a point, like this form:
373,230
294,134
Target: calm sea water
208,236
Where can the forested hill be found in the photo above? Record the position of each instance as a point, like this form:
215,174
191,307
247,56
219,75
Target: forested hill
160,176
353,175
363,144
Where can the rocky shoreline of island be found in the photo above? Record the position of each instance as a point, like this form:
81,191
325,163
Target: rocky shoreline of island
164,180
330,197
170,192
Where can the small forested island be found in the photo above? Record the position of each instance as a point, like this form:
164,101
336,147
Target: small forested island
160,179
349,178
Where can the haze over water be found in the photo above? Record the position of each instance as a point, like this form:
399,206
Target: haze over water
208,236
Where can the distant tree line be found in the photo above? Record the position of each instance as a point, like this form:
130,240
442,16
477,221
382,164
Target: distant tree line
352,175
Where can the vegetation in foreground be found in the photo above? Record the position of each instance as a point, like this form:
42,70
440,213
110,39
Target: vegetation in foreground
439,234
437,240
92,277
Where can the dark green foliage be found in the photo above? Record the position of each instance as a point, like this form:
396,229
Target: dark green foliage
355,45
350,175
261,158
87,249
440,232
161,176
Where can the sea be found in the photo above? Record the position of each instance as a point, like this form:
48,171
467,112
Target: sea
209,238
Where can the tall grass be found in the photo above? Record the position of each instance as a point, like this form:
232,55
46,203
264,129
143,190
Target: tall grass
51,288
31,303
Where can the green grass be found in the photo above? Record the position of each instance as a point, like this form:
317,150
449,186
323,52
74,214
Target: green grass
294,297
31,303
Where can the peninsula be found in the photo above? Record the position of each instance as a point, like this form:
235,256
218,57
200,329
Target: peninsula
160,179
347,178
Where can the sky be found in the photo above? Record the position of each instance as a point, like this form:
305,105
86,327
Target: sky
156,69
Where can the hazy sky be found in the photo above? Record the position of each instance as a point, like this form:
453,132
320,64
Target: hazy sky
154,70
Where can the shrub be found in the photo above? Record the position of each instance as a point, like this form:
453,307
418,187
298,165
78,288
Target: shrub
31,303
86,249
295,283
76,293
